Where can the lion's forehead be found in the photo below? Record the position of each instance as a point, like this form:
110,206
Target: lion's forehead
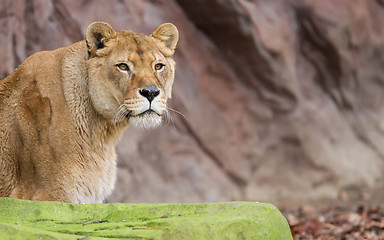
137,48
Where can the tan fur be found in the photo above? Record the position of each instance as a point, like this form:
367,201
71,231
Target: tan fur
62,112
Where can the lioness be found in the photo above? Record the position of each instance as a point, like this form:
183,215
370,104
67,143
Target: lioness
62,112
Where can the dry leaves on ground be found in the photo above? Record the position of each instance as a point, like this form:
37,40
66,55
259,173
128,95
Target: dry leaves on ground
366,222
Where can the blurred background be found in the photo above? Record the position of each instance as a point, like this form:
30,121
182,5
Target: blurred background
282,100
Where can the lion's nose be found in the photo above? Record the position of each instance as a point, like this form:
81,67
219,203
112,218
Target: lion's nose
150,93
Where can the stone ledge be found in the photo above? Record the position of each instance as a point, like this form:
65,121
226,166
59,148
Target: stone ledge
21,219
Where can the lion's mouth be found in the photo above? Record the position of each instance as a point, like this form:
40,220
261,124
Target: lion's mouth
128,114
145,120
145,113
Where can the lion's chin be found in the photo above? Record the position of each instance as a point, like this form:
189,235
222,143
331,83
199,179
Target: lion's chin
148,120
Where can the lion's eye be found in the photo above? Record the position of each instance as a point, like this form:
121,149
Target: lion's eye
123,67
159,66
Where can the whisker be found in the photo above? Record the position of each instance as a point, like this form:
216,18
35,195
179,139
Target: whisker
120,114
173,110
168,116
117,116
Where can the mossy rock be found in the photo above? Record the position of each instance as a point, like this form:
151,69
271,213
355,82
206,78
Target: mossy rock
21,219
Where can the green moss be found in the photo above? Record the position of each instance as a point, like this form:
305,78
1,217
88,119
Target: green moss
21,219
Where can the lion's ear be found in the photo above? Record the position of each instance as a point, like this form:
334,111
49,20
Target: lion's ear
98,33
168,34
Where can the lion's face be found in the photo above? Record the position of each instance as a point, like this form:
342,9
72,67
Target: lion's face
130,74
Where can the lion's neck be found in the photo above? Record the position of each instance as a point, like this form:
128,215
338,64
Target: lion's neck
93,128
105,133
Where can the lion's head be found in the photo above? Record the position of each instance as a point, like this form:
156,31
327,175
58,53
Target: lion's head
130,75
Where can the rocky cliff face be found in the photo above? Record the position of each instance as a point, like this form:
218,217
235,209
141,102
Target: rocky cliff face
281,100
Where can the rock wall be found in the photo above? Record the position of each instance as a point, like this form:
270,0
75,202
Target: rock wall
279,101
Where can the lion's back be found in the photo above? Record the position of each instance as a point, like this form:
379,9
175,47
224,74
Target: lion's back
27,97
